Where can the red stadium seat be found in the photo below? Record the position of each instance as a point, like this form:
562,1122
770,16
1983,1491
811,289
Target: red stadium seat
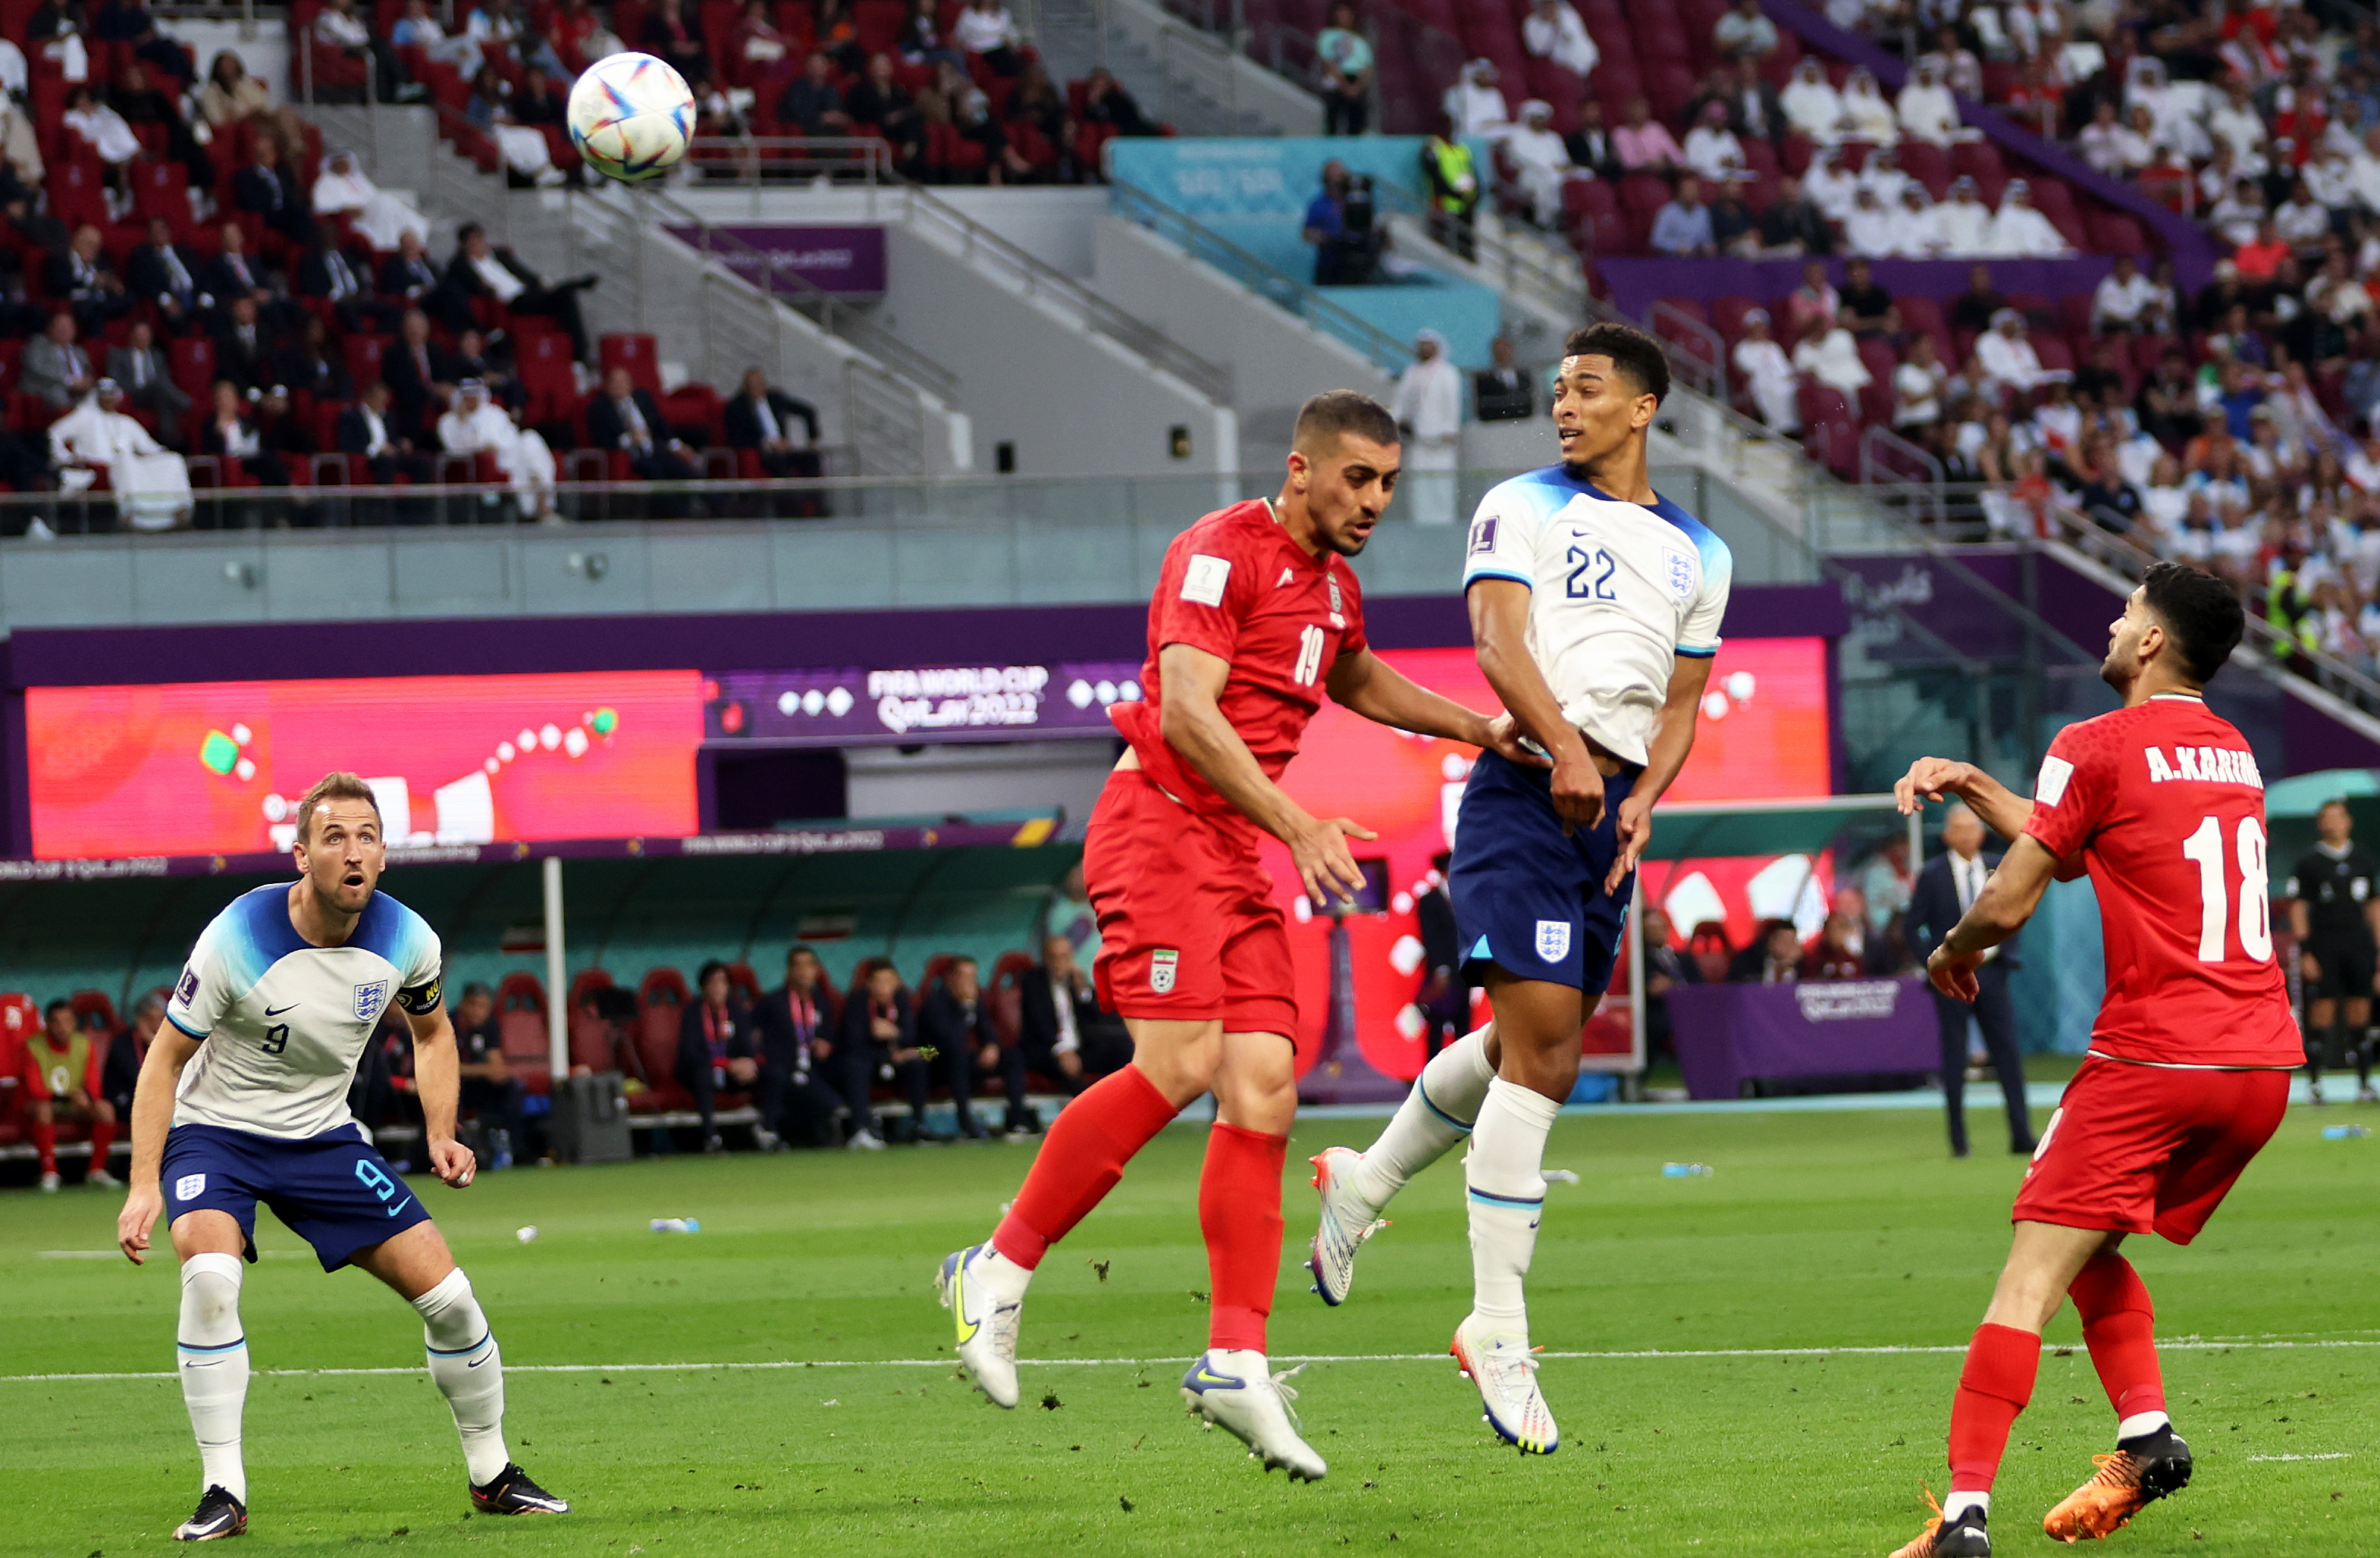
660,999
636,354
521,1028
191,362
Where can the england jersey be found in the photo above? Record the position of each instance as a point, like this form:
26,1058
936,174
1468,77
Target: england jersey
284,1021
1617,591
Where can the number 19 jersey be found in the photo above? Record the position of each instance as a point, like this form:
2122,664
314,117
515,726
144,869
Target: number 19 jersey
284,1021
2165,802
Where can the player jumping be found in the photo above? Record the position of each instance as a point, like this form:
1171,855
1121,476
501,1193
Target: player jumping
1596,606
273,1009
2188,1072
1255,616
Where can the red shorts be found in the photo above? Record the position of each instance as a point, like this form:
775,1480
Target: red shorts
1188,930
2149,1149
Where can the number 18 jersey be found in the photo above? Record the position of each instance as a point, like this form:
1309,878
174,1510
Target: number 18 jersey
2167,806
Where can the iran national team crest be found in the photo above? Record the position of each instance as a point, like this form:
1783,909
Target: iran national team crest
370,999
1553,940
1679,570
1162,965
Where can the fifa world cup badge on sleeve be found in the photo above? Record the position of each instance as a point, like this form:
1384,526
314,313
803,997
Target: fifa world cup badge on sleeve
1553,940
1161,966
369,999
187,989
1483,534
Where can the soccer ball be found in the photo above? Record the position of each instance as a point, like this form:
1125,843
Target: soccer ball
631,116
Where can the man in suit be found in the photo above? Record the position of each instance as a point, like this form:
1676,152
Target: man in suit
408,273
166,274
1063,1033
626,417
877,1036
1444,999
1754,107
955,1021
80,276
341,277
795,1023
1666,967
141,369
479,268
1946,885
55,366
268,189
366,429
1501,392
246,345
782,429
717,1050
234,272
420,373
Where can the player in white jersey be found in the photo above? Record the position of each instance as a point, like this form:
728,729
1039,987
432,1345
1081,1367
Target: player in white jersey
1595,606
243,1097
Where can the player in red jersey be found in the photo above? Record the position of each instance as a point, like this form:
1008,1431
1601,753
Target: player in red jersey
2189,1070
1255,615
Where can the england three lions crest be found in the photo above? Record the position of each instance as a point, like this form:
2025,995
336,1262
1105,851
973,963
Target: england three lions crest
371,1000
1680,571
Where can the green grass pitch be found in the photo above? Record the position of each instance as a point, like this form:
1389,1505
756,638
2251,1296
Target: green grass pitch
1819,1230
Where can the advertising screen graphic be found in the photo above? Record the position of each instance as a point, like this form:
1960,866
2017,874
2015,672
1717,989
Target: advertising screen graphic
198,768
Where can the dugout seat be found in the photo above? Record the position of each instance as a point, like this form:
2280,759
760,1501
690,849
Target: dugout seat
661,996
520,1027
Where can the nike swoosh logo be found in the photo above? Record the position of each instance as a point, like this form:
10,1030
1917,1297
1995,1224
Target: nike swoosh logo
478,1361
400,1206
1206,1377
968,1328
276,1011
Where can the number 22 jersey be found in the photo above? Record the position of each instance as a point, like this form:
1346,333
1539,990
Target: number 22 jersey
2165,802
284,1021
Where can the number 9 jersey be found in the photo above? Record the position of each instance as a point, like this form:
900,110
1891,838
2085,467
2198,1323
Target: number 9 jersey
284,1021
2167,806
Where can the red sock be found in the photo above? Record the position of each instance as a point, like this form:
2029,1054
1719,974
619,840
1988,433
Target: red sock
1993,1388
1239,1211
45,1142
1081,1159
102,1136
2119,1327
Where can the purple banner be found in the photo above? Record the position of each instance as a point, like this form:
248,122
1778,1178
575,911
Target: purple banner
855,707
841,260
1636,285
1729,1034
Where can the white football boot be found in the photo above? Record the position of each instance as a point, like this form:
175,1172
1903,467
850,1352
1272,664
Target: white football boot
987,1323
1344,1225
1234,1390
1505,1369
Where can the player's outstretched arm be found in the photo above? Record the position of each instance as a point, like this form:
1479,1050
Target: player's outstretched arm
437,1079
153,1116
1665,755
1194,725
1998,806
1499,632
1381,693
1999,912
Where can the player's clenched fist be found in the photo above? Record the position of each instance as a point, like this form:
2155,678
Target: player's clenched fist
453,1162
1578,792
1325,862
142,1209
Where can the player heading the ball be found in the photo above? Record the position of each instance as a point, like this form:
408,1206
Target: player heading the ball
1256,617
2188,1074
243,1097
1596,606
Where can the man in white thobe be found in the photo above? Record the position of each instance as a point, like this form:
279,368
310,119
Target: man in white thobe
474,424
1428,408
2021,231
1540,161
151,483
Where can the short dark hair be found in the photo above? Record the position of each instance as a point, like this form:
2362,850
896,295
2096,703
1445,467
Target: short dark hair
1330,415
478,987
2199,612
1631,351
463,234
703,976
799,949
54,1006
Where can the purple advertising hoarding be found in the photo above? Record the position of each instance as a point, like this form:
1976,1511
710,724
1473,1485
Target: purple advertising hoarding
848,260
857,707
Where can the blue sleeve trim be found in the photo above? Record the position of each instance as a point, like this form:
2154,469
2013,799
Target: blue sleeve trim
185,1027
1698,654
1471,578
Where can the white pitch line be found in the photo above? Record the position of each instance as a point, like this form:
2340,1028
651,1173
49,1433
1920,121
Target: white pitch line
2182,1345
2333,1455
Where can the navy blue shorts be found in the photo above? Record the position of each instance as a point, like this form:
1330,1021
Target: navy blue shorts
1527,897
334,1190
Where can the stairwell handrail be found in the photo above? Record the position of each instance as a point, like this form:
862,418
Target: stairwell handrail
1301,298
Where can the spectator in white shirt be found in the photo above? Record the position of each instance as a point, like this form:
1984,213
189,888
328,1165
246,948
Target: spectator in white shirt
2008,361
2302,220
2238,215
1811,104
1960,70
1868,230
986,27
2097,140
1916,230
475,423
2162,503
1553,30
1866,116
1770,375
2138,146
2123,301
1745,30
2019,231
2363,168
1919,386
1830,355
1831,187
1926,110
1885,176
1711,148
1965,222
1540,161
1476,105
2236,123
2330,178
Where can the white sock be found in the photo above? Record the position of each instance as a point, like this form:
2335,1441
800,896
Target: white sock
469,1369
1436,1113
1956,1503
2140,1423
1006,1279
1504,1171
213,1356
